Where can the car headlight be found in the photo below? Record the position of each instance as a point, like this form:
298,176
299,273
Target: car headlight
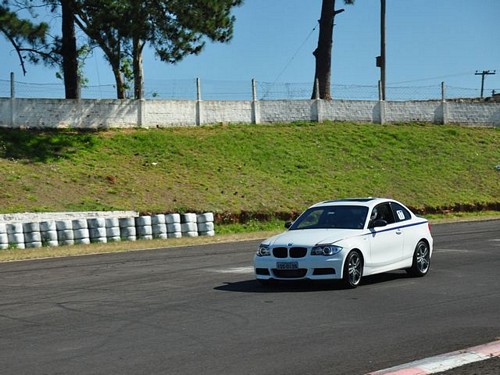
263,250
326,250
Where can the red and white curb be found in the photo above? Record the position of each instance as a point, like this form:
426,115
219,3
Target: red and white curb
445,362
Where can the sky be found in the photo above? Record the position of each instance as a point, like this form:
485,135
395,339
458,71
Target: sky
427,42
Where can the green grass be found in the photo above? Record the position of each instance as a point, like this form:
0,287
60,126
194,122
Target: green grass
252,171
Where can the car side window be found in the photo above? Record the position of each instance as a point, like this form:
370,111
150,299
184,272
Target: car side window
383,212
400,213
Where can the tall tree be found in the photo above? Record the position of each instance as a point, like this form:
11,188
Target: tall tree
28,38
173,28
33,42
104,22
122,29
323,53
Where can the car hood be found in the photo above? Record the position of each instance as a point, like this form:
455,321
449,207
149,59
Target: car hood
311,237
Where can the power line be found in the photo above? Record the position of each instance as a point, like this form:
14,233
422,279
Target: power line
432,78
294,56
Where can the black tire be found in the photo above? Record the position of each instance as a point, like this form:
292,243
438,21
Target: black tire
353,270
421,260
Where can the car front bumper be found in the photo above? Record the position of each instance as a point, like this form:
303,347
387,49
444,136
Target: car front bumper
312,268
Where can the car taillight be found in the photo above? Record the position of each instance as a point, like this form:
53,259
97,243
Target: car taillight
429,225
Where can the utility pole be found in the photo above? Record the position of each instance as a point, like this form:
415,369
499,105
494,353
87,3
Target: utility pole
381,58
482,74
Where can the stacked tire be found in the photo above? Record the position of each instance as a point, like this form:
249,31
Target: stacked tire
32,237
189,228
102,230
15,235
205,223
159,226
65,234
112,229
97,230
127,229
81,233
143,227
4,238
48,232
173,222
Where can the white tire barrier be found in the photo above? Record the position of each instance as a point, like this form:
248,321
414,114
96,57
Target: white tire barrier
127,229
15,235
206,226
32,236
188,225
173,222
80,231
112,229
65,234
143,226
4,239
48,232
159,226
104,229
97,230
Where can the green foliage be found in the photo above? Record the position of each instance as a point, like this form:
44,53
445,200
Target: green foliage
174,29
254,170
27,38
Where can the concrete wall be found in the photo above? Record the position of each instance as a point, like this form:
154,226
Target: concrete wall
93,114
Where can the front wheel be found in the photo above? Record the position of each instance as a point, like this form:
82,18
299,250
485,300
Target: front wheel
353,269
421,260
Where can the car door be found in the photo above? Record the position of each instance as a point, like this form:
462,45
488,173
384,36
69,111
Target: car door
410,233
386,242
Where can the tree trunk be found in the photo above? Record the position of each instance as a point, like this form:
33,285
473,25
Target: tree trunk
323,53
113,58
120,84
137,67
69,51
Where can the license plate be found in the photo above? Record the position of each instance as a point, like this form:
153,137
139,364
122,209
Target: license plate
287,265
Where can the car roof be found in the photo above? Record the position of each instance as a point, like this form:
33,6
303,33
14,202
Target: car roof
364,201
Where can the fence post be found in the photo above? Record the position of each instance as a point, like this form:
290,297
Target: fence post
12,100
317,99
255,104
381,103
140,112
444,105
198,102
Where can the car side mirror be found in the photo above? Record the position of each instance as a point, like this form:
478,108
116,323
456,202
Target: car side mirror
288,224
379,223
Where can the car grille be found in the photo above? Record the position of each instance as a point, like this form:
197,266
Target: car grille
293,252
280,252
290,274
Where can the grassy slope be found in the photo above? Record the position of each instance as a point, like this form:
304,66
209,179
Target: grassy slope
278,168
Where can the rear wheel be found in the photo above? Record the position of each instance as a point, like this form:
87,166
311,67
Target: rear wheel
353,269
421,260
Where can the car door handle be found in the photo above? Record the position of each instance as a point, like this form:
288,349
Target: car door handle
399,231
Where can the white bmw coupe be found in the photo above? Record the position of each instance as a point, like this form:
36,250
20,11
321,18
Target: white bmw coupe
345,240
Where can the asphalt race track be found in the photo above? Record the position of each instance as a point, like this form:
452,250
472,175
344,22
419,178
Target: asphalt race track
198,310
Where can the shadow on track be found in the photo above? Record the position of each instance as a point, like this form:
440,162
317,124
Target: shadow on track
304,286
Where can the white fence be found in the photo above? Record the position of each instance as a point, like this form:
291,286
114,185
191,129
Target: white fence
108,113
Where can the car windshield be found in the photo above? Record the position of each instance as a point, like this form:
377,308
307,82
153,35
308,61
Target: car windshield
329,217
